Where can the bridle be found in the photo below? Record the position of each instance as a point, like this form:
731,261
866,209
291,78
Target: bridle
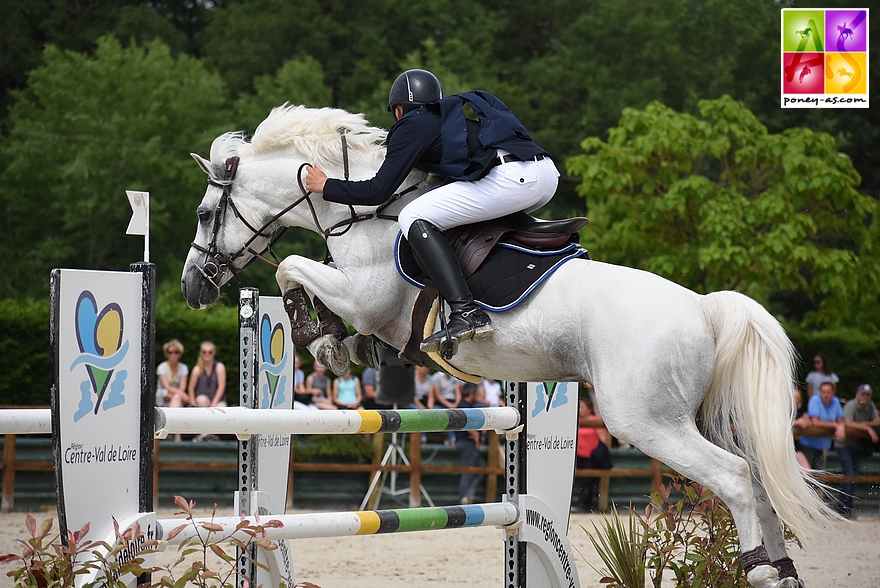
216,264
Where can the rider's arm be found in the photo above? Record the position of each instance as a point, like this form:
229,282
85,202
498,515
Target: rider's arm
414,139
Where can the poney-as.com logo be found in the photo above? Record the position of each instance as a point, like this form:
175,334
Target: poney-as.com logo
824,58
100,339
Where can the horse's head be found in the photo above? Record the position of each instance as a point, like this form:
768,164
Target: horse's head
245,204
229,234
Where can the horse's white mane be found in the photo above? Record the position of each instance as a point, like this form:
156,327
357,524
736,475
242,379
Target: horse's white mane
313,132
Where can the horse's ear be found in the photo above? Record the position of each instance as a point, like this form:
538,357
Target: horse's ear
213,171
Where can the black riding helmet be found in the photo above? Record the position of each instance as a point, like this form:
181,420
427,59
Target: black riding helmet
414,88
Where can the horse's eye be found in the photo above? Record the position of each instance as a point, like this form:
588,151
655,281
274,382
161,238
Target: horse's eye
204,215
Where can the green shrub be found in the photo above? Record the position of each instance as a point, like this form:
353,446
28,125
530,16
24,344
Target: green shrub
26,371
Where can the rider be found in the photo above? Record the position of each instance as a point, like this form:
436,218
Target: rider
513,174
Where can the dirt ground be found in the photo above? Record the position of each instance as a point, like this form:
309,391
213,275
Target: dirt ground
847,556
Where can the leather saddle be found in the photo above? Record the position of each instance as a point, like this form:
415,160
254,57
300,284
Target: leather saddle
473,243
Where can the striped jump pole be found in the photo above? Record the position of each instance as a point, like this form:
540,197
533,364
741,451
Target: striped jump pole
244,421
347,524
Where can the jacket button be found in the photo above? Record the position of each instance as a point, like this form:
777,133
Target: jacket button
522,180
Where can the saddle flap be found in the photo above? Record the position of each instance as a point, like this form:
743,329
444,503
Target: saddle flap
472,243
522,222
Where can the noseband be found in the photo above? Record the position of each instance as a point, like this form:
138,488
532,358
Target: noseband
216,264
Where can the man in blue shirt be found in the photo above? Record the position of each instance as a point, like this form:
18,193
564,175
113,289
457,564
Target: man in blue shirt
824,411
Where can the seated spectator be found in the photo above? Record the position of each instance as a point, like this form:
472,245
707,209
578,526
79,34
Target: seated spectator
347,392
171,377
859,413
423,386
592,453
821,373
490,393
468,445
302,400
801,422
368,386
445,393
318,387
825,412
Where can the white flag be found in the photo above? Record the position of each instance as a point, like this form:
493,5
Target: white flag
140,218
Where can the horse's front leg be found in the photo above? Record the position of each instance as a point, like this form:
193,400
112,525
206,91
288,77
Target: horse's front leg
322,339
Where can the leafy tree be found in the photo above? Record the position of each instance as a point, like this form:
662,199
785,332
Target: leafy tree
357,43
299,81
716,202
87,129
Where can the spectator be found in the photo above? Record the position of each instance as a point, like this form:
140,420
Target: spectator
318,387
490,393
821,373
424,383
801,422
592,453
207,387
171,377
468,445
368,385
445,393
825,412
302,399
347,392
859,413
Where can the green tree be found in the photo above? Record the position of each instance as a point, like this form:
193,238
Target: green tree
716,202
298,81
87,129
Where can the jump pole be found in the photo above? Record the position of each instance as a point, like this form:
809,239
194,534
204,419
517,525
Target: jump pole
539,451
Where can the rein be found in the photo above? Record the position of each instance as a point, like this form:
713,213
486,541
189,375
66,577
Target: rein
216,263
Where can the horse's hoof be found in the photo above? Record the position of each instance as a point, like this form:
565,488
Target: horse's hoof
329,351
363,350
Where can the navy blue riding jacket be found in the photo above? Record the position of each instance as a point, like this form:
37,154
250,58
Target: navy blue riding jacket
439,139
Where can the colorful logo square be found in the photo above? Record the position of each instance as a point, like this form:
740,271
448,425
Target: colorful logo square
846,30
824,58
803,30
846,73
803,73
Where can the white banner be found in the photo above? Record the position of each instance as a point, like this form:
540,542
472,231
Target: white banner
97,404
274,391
551,443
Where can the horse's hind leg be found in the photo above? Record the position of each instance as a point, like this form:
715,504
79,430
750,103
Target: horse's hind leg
774,537
681,446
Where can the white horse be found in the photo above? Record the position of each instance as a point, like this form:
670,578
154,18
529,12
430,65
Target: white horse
702,383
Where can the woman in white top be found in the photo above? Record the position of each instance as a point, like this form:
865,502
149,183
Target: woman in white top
821,373
171,378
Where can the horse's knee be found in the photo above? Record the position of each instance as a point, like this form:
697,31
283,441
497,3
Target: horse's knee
285,275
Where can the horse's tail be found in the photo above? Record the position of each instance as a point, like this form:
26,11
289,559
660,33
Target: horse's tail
749,407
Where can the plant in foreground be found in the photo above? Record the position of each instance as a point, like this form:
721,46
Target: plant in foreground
46,562
686,530
49,563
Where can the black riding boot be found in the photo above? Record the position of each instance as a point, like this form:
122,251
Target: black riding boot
466,319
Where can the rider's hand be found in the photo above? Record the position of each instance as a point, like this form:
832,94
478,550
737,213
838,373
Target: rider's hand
315,179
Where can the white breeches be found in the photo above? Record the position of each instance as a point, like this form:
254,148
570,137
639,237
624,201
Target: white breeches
507,188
